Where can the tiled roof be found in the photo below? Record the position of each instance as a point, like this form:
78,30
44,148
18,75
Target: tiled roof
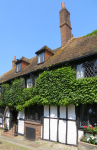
23,59
75,48
44,48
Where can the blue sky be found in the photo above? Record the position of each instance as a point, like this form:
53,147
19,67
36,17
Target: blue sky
28,25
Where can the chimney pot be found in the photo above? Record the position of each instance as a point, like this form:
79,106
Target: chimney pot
63,5
14,57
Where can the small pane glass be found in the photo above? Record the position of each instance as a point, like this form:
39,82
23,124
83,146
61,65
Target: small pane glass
79,71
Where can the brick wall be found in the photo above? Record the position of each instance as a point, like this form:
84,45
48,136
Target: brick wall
24,64
65,26
47,55
35,125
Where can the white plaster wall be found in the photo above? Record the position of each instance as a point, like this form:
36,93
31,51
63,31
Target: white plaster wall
80,134
46,111
20,126
53,129
53,111
46,129
62,131
71,112
7,121
71,132
7,113
63,112
21,115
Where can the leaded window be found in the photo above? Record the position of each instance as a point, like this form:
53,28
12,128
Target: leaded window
34,113
86,69
88,115
30,82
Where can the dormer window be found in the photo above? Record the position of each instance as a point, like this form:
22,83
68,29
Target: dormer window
44,54
18,67
41,58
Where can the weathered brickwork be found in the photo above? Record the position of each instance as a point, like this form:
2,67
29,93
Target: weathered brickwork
34,125
24,64
65,26
47,55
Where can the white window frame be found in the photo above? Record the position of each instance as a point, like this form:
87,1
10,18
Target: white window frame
40,58
18,67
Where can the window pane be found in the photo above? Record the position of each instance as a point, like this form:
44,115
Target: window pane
38,58
34,113
19,66
89,69
42,57
88,115
29,83
79,71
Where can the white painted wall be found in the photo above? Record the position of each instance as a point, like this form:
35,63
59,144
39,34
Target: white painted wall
53,111
62,131
80,134
46,129
53,129
20,126
7,121
71,133
63,112
71,112
21,115
46,111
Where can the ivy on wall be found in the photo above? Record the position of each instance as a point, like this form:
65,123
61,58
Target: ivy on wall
55,87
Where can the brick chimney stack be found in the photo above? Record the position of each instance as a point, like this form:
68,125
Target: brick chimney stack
14,62
65,25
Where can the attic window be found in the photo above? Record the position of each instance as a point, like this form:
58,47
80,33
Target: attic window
18,67
40,57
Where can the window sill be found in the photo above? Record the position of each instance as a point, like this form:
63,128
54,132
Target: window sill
33,122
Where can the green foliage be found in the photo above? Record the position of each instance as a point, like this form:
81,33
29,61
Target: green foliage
55,87
91,34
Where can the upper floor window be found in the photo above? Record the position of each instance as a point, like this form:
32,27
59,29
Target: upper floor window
41,57
18,67
87,69
29,83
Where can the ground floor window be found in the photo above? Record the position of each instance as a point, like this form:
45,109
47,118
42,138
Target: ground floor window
34,113
88,115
